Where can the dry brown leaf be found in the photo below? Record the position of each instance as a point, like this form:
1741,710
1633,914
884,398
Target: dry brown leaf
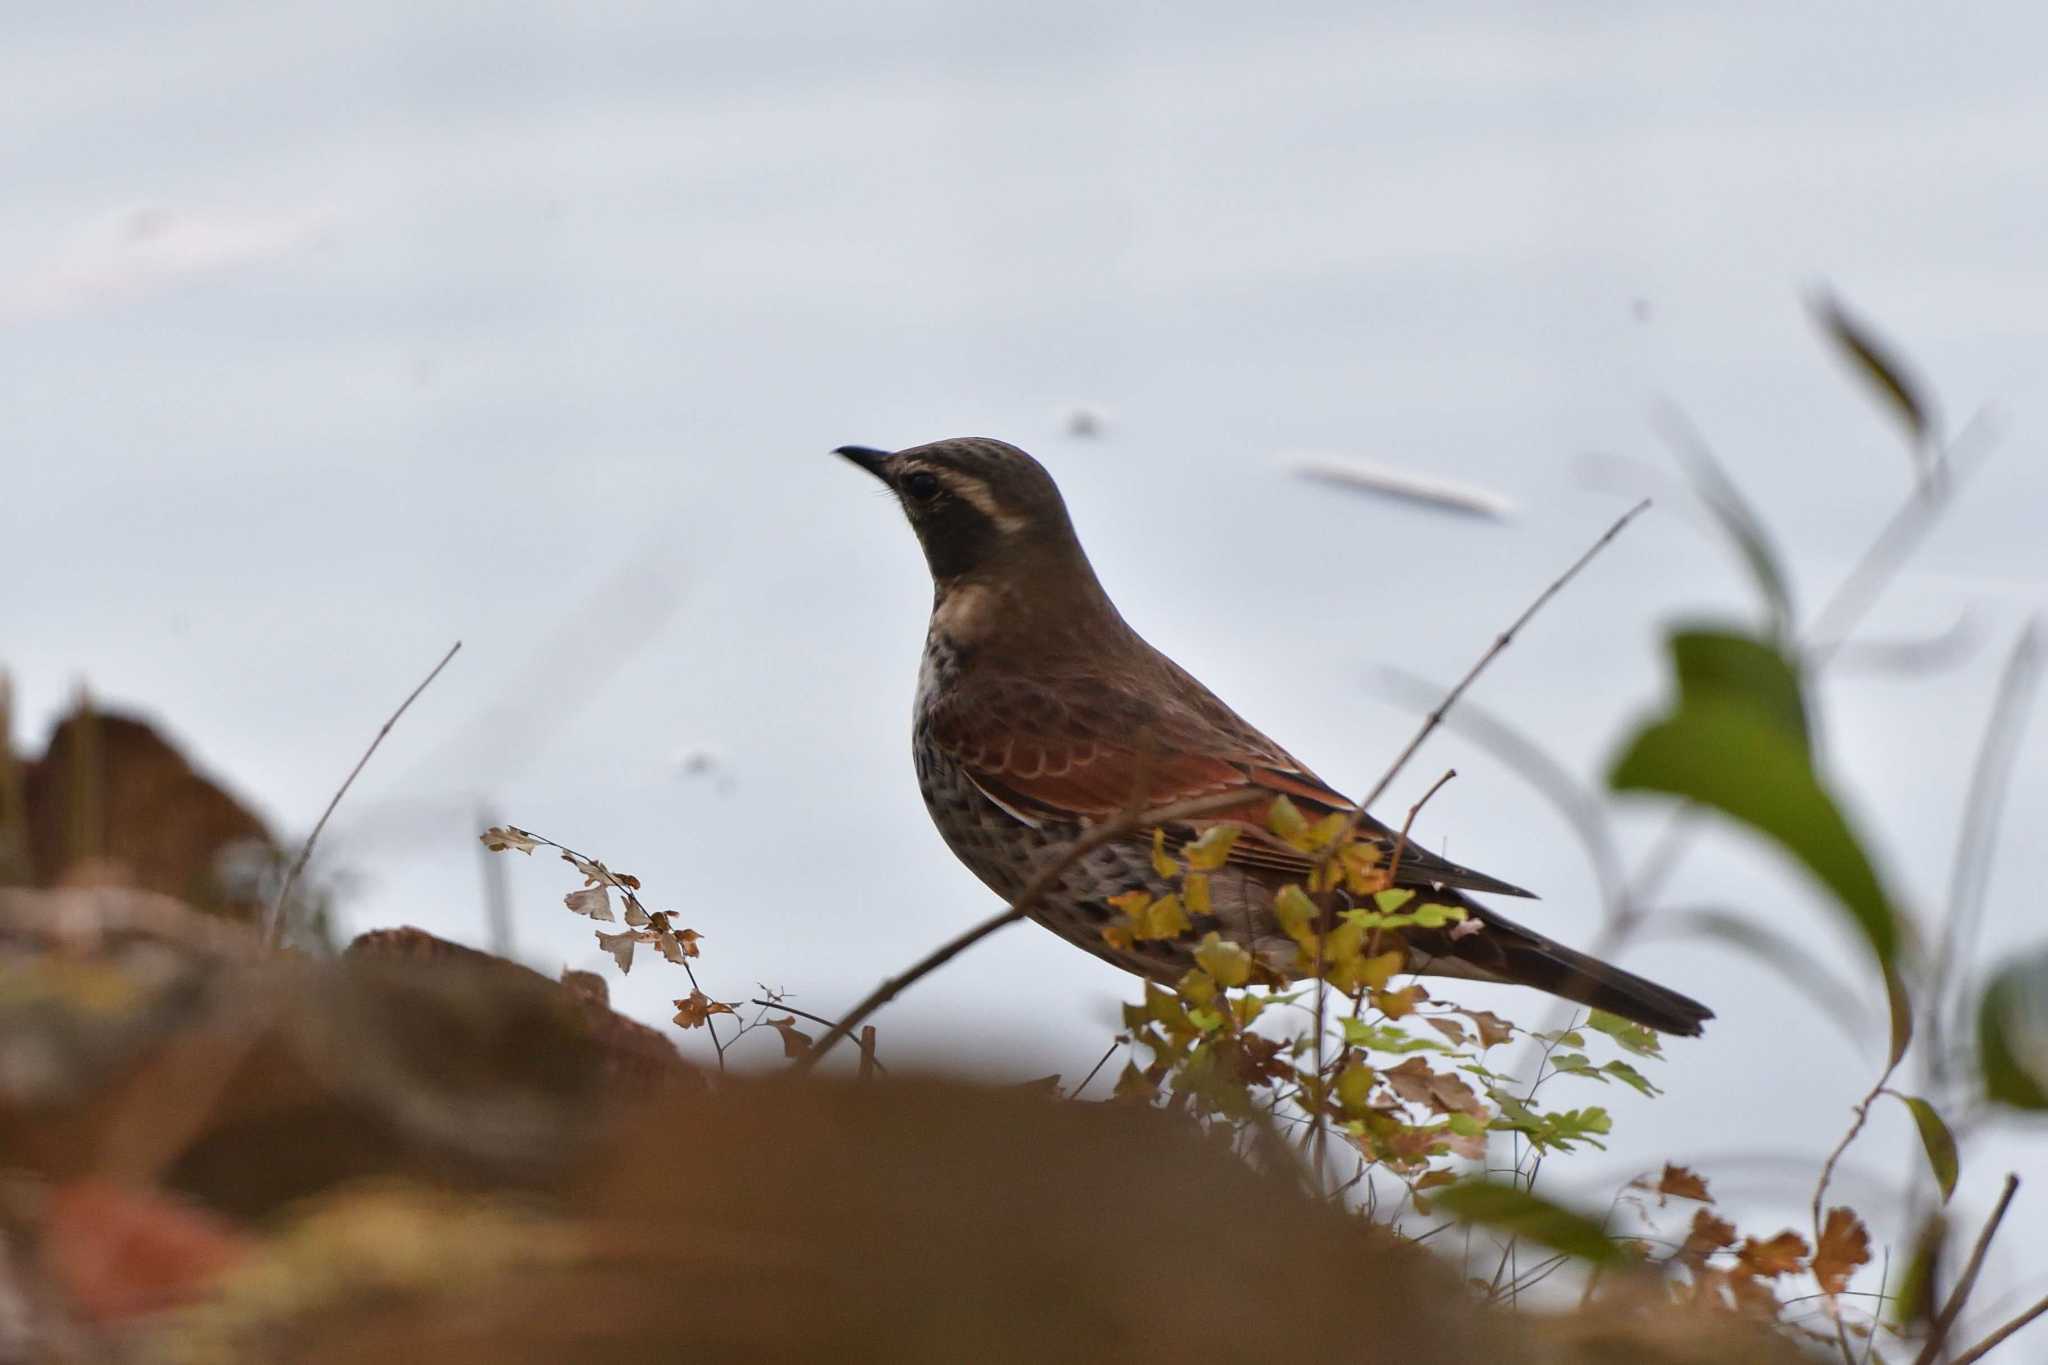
1779,1255
1492,1028
1844,1245
696,1011
1449,1028
501,837
796,1044
593,901
620,946
1413,1081
1707,1235
1678,1182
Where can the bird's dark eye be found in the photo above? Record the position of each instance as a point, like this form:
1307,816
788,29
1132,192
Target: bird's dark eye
922,486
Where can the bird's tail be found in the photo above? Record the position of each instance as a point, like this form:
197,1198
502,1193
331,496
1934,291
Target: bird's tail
1505,951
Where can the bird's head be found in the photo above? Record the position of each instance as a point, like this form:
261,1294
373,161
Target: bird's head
983,510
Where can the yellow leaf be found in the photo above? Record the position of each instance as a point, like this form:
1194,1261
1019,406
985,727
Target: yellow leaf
1197,986
1285,820
1131,903
1227,963
1398,1004
1194,890
1165,918
1326,830
1162,861
1375,972
1354,1086
1344,944
1209,852
1363,873
1117,936
1295,911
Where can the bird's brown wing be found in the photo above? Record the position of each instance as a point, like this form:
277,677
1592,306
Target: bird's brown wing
1086,750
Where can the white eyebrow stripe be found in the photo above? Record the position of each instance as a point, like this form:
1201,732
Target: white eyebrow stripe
976,494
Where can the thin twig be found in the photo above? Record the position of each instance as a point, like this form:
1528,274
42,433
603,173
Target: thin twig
1827,1170
273,923
814,1018
1983,1348
1401,844
1027,899
1937,1335
1114,1044
1424,731
1501,642
1535,765
593,867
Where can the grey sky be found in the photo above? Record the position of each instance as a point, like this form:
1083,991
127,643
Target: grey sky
338,333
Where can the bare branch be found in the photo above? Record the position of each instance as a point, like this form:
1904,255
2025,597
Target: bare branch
1114,1044
784,1005
1500,643
1984,1347
1033,892
273,923
1401,844
1937,1336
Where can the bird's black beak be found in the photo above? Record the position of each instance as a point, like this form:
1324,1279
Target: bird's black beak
875,462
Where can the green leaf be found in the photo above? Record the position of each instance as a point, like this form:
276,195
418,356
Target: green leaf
1628,1035
1384,1037
1914,1302
1737,743
2012,1035
1520,1213
1939,1142
1901,1006
1714,665
1874,359
1392,899
1631,1077
1578,1125
1434,916
1571,1062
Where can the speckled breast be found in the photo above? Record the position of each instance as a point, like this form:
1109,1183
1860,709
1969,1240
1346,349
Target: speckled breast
1006,852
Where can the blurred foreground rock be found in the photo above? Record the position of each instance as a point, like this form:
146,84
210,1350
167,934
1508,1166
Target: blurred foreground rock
421,1152
111,802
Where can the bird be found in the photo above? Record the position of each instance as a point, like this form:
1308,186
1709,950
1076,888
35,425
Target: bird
1040,713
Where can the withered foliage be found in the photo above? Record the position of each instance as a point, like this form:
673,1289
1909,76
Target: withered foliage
420,1152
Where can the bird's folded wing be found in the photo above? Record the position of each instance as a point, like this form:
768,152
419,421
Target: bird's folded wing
1079,781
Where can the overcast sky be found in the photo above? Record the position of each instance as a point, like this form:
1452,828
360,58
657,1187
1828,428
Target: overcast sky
337,333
